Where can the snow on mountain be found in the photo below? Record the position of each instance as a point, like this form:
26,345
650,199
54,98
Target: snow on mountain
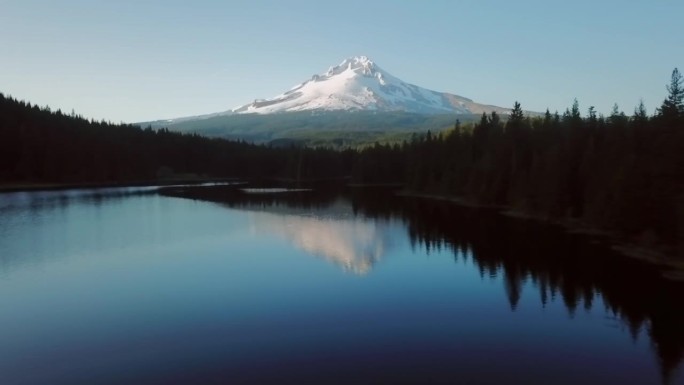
359,84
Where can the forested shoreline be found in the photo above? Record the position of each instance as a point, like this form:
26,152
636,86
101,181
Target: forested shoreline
623,173
618,173
38,145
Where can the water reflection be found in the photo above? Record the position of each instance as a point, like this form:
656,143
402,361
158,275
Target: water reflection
42,227
15,201
21,212
353,244
320,224
561,267
19,201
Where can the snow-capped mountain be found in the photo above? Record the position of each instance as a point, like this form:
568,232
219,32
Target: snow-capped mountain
359,84
354,96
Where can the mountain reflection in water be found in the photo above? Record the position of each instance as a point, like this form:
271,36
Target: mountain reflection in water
352,244
561,267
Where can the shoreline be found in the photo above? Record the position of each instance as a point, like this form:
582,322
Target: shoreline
671,267
29,187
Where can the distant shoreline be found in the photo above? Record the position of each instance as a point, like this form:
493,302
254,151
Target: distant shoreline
672,267
27,187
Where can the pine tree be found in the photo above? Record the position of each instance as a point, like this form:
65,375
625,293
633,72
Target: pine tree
673,107
516,114
617,117
575,112
640,114
591,113
494,119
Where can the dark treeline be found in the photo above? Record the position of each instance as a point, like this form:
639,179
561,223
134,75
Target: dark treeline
38,145
617,172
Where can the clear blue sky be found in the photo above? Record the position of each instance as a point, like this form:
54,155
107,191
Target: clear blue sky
126,60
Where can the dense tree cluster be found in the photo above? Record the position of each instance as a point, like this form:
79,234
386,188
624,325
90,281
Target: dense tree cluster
39,145
617,172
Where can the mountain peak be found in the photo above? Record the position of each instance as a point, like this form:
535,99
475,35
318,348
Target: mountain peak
359,64
358,60
357,83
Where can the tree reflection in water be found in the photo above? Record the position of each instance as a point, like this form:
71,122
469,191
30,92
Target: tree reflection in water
560,266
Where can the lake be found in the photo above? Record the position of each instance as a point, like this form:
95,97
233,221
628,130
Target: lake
217,285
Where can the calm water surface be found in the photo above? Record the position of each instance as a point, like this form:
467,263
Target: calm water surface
129,286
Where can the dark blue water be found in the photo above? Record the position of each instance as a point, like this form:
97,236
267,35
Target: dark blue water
127,286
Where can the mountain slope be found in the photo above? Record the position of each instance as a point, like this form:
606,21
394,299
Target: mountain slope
355,99
348,127
359,84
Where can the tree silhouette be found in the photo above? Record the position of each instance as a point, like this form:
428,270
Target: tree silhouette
673,105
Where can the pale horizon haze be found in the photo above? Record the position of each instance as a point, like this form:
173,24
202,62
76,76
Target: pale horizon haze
133,61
